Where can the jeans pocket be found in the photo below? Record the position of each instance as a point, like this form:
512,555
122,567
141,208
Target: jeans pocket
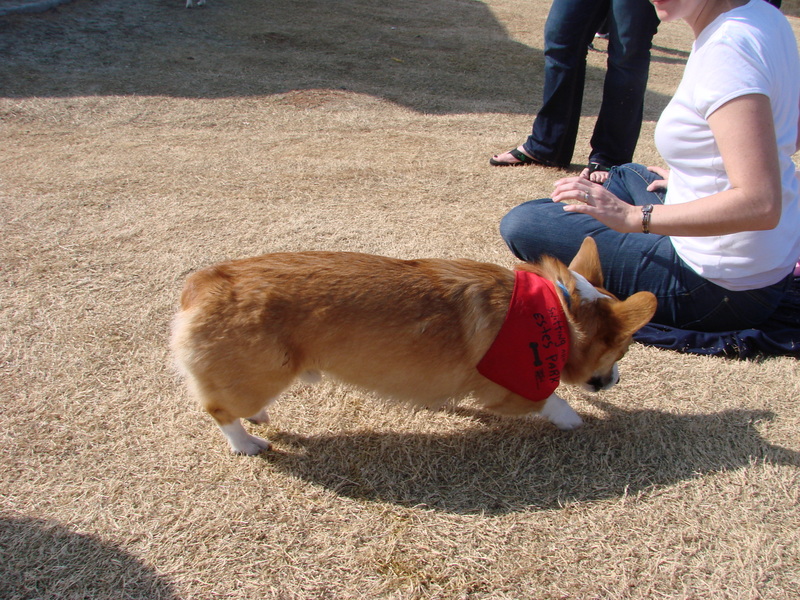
709,315
719,309
756,306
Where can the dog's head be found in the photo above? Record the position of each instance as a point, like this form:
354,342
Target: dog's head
601,325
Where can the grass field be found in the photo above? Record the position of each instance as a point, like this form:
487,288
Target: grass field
140,141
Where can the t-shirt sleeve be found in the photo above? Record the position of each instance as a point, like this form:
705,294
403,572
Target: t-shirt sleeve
731,69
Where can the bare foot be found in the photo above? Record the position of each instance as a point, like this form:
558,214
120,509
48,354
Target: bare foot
595,176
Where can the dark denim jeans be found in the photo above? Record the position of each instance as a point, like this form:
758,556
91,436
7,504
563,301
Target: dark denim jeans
633,262
570,28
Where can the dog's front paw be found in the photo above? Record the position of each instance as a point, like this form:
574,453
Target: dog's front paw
560,413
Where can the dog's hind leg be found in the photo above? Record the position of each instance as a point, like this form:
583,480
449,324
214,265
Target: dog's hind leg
231,427
260,418
247,398
242,442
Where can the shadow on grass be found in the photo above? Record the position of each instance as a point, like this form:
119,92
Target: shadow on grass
41,559
505,465
450,56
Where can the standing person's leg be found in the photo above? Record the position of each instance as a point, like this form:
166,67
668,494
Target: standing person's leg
570,28
632,25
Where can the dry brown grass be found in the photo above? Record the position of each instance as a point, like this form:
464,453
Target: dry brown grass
141,141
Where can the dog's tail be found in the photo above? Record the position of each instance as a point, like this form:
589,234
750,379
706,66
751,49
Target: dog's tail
210,281
199,288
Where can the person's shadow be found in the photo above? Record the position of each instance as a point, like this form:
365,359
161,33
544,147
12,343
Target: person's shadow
503,465
42,559
451,56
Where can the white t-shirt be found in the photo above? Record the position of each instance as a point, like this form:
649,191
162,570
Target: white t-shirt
748,50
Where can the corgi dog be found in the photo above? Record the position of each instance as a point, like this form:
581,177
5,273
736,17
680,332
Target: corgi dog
426,331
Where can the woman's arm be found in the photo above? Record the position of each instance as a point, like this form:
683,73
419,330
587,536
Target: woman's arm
745,135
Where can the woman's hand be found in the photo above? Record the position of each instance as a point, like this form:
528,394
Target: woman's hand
599,203
658,184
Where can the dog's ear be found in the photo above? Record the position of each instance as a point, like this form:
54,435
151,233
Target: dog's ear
635,312
587,263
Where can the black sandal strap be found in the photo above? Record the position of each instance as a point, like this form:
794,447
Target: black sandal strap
521,156
593,166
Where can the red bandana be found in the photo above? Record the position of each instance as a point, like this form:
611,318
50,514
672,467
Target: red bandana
532,346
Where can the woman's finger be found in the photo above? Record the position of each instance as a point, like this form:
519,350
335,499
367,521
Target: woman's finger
575,188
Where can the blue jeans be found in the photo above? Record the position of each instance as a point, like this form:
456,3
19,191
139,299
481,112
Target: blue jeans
633,262
570,28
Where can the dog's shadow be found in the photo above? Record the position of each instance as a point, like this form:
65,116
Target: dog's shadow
503,465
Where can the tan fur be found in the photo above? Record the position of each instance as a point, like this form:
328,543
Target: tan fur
408,329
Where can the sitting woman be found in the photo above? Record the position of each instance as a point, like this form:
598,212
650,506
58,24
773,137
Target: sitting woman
716,237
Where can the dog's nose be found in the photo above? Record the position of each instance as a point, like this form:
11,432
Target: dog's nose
599,383
596,384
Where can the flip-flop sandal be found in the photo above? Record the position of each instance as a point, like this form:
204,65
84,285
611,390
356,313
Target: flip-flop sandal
593,166
523,159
